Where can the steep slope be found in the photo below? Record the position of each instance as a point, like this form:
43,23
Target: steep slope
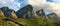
1,13
54,17
7,12
38,14
13,15
25,11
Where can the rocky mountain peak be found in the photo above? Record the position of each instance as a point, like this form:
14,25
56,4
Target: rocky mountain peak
40,12
6,11
53,16
25,11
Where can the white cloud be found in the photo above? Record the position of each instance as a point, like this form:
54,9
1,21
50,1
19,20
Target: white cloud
52,7
47,6
55,6
12,4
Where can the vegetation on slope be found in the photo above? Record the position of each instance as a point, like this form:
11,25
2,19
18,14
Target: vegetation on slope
27,22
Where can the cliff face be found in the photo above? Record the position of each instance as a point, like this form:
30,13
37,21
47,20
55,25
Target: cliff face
13,15
1,13
7,12
40,12
53,17
25,11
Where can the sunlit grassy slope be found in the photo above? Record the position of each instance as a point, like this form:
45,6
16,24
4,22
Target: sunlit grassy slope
26,22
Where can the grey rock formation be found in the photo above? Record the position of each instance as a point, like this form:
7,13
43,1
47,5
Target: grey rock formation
25,11
7,12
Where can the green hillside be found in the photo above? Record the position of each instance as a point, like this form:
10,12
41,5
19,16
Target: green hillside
26,22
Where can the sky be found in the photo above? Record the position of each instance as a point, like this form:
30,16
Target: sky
49,6
12,4
56,4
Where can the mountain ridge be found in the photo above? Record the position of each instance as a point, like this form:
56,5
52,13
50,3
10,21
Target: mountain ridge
26,17
25,12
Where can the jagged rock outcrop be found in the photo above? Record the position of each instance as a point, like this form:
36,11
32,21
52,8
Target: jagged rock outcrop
13,15
7,12
25,11
1,14
35,16
40,12
52,16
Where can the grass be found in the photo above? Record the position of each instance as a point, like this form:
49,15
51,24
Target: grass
29,22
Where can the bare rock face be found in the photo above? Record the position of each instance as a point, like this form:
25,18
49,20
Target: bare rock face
36,16
8,12
1,14
40,12
54,17
13,15
25,11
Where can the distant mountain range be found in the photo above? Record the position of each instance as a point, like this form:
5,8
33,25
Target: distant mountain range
28,16
27,12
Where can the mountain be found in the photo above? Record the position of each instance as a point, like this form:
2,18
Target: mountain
25,11
8,12
40,12
53,17
24,16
